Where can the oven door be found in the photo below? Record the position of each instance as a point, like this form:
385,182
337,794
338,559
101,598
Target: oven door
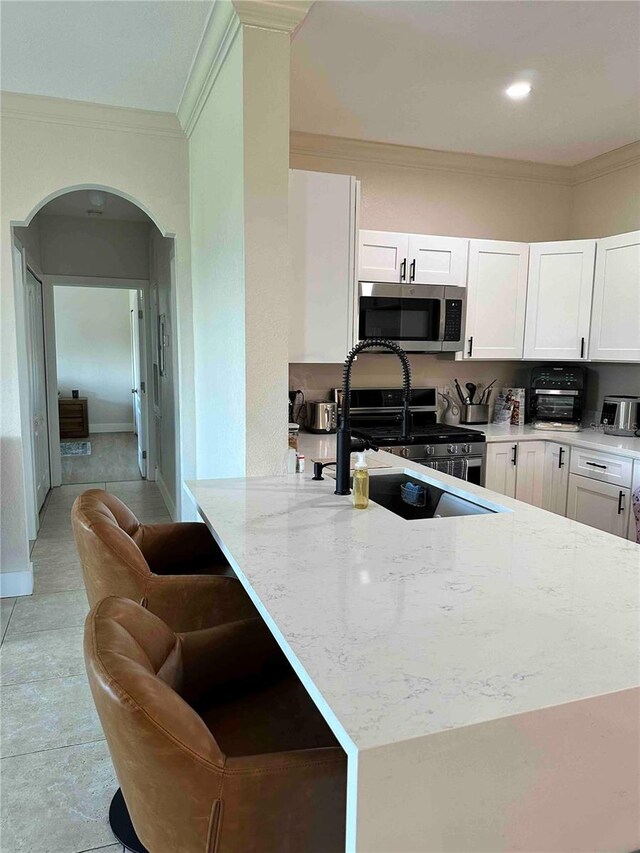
469,468
412,315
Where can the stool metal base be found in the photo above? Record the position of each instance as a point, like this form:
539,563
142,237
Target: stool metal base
121,825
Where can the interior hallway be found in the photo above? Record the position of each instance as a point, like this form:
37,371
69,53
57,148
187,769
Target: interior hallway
114,458
56,771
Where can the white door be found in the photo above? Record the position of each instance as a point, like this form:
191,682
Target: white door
37,387
383,256
597,504
322,234
556,477
559,299
634,524
501,468
615,321
138,379
438,260
496,299
530,472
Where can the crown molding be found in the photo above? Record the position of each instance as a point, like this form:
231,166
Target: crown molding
605,164
218,37
339,148
281,15
14,105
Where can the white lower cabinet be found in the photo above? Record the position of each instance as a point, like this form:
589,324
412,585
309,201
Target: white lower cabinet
530,462
634,527
556,477
598,504
501,468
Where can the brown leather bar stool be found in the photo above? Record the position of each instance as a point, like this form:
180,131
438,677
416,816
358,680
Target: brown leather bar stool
216,744
176,570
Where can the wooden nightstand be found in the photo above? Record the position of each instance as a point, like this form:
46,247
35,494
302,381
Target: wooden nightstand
74,417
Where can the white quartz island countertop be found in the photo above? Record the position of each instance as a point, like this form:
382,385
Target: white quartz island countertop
481,672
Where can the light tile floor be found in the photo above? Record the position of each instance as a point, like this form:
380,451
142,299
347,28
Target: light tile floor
57,777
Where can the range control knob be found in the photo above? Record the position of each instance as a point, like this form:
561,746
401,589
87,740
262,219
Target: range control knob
466,448
404,451
429,450
453,448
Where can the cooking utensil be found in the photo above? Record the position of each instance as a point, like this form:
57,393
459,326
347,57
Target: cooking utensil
487,392
471,388
463,399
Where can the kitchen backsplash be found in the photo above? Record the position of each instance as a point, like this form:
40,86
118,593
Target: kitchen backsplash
317,380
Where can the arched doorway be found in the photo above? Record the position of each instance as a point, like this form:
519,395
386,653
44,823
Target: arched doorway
90,243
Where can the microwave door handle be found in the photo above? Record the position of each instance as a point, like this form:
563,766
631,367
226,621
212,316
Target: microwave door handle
443,317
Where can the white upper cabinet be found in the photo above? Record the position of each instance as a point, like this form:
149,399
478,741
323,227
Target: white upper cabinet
438,260
322,236
496,299
383,256
559,300
615,321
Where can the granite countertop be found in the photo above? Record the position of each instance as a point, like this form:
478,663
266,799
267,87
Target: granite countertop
401,629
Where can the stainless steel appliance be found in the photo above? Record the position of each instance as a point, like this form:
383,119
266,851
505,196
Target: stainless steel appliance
418,317
455,450
556,397
621,415
322,416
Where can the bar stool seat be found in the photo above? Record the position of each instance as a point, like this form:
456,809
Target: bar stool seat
176,570
216,745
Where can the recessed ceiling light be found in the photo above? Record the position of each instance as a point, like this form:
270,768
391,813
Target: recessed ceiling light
518,91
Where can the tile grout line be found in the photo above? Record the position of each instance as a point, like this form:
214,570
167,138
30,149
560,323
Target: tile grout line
50,678
52,749
4,633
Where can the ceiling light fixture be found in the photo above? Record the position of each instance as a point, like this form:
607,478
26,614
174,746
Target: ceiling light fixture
97,198
518,91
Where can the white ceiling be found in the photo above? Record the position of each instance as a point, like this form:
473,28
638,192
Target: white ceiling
128,53
432,74
77,204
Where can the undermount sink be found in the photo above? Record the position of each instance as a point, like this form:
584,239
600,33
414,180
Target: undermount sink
386,488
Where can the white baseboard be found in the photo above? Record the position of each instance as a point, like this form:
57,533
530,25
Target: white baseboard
13,584
111,427
166,497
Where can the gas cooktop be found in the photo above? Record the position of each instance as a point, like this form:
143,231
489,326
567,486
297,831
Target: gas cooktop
389,436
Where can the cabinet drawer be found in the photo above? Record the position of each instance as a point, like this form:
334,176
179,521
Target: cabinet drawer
601,466
71,410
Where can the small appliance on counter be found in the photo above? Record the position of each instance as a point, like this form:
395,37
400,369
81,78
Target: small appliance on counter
621,415
322,416
376,415
556,397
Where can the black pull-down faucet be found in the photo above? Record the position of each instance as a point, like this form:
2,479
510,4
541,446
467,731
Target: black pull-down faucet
345,444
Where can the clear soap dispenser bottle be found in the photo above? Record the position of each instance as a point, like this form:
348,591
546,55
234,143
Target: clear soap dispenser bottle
361,483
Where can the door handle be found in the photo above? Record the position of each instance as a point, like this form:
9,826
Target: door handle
595,465
620,504
514,457
582,348
412,270
134,390
403,270
560,455
470,353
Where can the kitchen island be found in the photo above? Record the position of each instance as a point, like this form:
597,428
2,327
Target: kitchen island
482,672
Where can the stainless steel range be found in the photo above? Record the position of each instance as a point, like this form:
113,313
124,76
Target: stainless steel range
455,450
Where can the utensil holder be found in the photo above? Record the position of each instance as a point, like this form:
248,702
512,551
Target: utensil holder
475,414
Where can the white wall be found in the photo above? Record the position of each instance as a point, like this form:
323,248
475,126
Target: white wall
93,352
108,248
49,146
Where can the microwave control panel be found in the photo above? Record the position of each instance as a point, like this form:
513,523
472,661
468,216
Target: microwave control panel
453,320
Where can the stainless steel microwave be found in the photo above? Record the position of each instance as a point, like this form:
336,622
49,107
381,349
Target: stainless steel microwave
419,317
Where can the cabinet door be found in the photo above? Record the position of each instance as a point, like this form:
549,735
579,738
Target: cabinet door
615,321
597,504
559,299
530,472
438,260
322,232
496,299
634,523
556,477
501,468
383,256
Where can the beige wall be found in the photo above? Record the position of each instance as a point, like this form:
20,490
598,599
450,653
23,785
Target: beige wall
607,205
49,146
429,201
110,248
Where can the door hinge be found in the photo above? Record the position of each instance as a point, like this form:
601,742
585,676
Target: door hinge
143,387
144,454
140,315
